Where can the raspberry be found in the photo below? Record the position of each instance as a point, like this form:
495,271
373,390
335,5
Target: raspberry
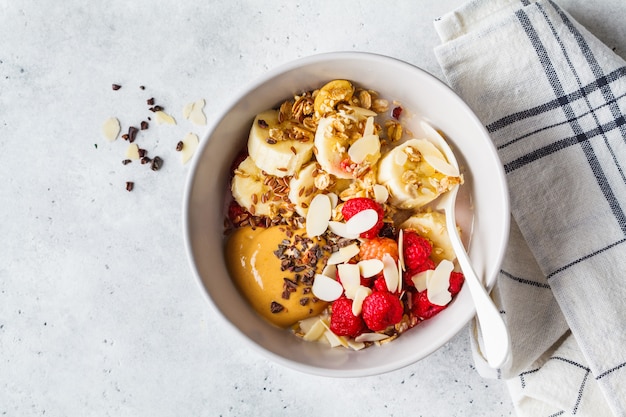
424,308
342,321
380,284
417,249
238,160
358,204
381,309
375,248
235,211
456,282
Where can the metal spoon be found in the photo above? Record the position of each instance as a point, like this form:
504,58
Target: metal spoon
496,339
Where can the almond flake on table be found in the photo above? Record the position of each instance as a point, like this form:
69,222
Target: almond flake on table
132,152
194,112
111,129
190,144
164,118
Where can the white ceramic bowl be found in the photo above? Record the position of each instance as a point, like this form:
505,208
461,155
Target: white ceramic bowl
483,208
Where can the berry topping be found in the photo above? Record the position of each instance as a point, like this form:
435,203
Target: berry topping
396,112
380,284
417,249
236,212
381,309
342,321
424,308
375,248
358,204
456,282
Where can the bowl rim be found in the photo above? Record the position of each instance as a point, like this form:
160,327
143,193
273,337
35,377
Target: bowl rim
231,104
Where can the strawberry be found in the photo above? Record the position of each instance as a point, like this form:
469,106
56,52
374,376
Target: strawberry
357,205
380,310
417,249
342,321
424,308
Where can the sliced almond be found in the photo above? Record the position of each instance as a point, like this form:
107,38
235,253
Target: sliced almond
370,267
111,128
132,152
307,324
335,340
315,332
318,216
190,144
363,147
194,112
400,158
441,165
187,110
381,193
164,118
438,283
369,126
354,345
390,272
362,111
370,337
357,302
340,229
362,221
420,279
330,270
334,199
401,249
350,277
441,298
326,288
400,277
343,254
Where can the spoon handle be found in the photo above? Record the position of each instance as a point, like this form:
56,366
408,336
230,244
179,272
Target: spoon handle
496,339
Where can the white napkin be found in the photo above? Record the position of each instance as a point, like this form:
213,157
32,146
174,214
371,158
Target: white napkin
553,98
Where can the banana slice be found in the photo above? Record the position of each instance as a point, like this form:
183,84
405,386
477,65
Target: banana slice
416,173
341,154
271,148
432,225
253,190
331,94
302,189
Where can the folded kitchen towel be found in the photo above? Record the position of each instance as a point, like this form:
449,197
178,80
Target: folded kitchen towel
553,99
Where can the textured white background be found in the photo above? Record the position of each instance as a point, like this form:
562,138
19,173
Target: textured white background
99,312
